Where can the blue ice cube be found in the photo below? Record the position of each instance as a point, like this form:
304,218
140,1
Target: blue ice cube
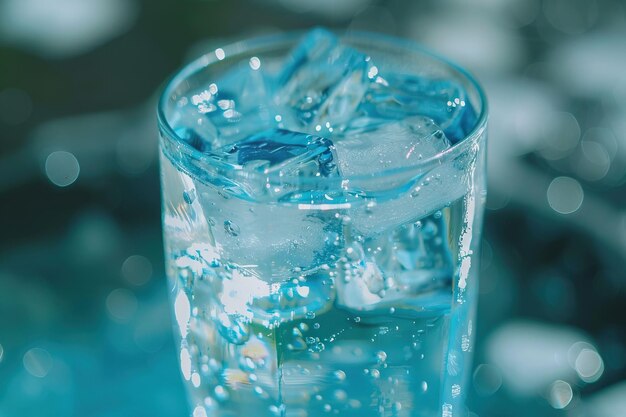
369,145
403,272
284,151
324,81
239,103
400,95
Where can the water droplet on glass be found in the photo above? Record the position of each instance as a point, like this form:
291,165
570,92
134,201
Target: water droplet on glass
189,196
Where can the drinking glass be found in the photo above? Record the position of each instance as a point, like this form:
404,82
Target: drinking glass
322,295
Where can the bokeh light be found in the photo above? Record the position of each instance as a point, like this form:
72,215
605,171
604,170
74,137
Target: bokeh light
37,362
487,380
561,394
60,28
137,270
565,195
121,304
62,168
589,365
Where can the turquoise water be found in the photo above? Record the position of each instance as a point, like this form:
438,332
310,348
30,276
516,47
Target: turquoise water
334,300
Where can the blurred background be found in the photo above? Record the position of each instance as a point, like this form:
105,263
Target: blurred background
84,319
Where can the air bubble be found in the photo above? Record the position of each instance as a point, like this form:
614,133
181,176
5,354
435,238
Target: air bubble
318,347
340,375
340,395
354,403
260,392
233,328
221,394
297,344
277,410
231,228
246,364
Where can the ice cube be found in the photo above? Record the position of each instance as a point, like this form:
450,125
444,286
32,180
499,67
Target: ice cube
324,81
235,106
283,151
286,159
409,271
273,241
368,146
398,96
295,298
193,128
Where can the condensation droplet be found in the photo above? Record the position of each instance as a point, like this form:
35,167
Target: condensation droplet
189,196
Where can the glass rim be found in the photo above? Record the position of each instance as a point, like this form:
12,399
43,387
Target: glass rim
247,47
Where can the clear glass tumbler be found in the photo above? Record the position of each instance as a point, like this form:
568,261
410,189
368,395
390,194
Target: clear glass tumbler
350,296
